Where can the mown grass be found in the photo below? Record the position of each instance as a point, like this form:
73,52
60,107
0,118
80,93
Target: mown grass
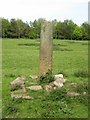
21,57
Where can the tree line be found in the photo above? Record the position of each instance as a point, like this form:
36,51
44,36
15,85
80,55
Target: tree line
16,28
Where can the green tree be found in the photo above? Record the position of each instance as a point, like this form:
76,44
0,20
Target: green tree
5,27
67,29
88,31
85,29
13,29
55,29
20,27
78,33
23,29
16,28
58,31
35,28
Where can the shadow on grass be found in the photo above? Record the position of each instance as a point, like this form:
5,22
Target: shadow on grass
85,43
81,73
55,48
59,44
29,44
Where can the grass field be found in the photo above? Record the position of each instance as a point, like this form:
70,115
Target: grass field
21,57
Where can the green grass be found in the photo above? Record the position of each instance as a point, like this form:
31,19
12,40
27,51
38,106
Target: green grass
21,57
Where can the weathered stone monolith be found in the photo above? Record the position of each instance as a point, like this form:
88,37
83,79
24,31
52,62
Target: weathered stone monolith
45,48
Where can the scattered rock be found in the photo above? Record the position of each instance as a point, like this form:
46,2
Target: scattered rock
47,87
73,94
23,96
59,80
84,93
34,87
58,83
18,83
33,76
18,86
74,84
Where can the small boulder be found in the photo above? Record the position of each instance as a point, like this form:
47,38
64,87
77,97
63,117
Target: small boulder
33,76
59,80
18,83
58,76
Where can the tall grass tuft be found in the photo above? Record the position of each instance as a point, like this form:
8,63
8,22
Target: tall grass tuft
81,73
46,78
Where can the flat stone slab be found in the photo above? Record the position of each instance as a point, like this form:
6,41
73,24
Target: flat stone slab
23,96
73,94
34,87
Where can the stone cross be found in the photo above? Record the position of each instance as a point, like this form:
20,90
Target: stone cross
45,48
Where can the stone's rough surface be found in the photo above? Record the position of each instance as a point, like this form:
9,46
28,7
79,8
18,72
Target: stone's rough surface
45,48
17,83
59,80
34,87
59,76
47,87
57,83
23,96
33,76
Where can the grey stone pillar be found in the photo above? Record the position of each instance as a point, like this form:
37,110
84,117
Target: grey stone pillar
46,48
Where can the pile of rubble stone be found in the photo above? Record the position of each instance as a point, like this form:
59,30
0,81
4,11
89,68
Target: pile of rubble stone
19,85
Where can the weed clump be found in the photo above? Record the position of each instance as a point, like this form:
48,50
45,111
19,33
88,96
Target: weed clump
11,108
81,73
56,103
58,94
83,90
46,78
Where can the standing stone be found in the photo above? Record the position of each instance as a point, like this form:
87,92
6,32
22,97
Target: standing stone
46,48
